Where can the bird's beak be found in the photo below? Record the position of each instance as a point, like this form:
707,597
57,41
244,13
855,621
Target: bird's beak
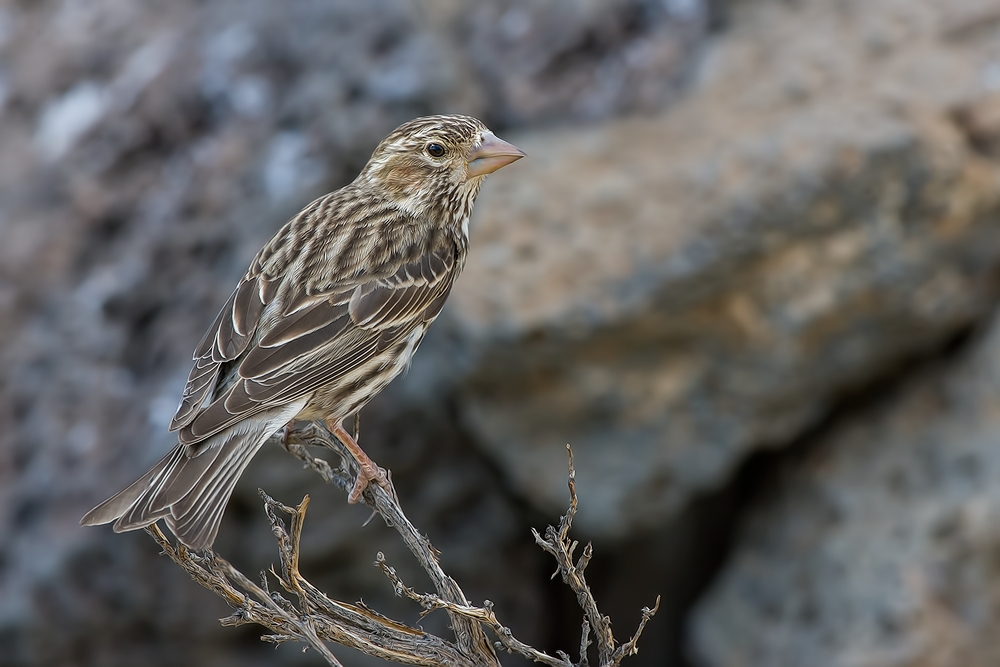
492,154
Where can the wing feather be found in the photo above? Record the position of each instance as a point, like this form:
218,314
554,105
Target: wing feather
302,322
324,337
405,294
228,337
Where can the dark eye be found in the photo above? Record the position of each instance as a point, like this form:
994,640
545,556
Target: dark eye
435,150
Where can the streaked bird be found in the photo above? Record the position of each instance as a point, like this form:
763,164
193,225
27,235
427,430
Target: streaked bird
329,312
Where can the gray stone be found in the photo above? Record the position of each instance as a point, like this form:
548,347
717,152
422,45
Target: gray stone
669,294
147,150
555,60
878,544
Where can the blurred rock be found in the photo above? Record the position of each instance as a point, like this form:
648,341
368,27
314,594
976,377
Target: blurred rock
669,294
545,60
879,544
147,150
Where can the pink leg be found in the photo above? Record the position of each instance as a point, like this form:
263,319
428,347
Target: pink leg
367,470
284,434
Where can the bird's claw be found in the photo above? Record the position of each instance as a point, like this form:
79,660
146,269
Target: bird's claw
368,473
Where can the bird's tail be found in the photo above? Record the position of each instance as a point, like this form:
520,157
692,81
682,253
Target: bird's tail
190,486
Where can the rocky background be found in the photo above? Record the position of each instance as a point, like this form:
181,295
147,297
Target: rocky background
749,271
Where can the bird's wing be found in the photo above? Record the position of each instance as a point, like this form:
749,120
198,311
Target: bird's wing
323,337
227,338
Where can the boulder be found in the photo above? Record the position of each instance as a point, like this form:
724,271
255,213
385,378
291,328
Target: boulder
147,150
672,293
877,543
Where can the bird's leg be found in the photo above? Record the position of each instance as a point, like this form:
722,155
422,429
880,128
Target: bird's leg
367,470
357,425
286,431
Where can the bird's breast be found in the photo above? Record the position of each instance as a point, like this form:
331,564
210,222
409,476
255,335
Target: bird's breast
349,392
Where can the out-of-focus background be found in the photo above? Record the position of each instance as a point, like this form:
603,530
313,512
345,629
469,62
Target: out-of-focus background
749,271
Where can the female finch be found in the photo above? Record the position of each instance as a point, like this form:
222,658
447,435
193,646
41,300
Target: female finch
330,311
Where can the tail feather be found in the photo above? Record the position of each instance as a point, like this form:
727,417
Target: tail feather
191,492
198,524
239,447
119,504
192,469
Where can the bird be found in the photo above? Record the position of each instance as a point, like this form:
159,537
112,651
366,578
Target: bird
330,311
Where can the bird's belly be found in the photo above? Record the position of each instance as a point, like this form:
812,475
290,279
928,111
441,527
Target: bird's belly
350,392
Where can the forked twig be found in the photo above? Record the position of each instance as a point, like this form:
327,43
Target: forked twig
315,618
557,543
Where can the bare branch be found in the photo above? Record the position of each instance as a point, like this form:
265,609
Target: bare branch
315,619
558,543
630,647
482,615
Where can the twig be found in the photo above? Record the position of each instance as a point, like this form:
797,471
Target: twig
215,572
316,618
558,543
469,635
483,615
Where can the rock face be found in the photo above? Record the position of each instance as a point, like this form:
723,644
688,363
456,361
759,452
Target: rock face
878,545
146,152
552,60
668,294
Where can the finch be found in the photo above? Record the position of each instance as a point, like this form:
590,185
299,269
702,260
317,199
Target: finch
330,311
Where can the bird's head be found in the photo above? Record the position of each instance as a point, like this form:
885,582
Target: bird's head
437,161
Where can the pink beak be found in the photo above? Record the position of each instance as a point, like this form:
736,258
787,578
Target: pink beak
492,154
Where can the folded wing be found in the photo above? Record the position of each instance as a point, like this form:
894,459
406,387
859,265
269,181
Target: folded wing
241,369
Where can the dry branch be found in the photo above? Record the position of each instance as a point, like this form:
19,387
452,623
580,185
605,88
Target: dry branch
315,619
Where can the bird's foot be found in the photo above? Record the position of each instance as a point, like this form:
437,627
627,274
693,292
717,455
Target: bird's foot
367,470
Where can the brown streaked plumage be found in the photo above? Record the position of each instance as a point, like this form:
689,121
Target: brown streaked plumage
330,311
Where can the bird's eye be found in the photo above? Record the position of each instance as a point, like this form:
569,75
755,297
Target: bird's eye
435,150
